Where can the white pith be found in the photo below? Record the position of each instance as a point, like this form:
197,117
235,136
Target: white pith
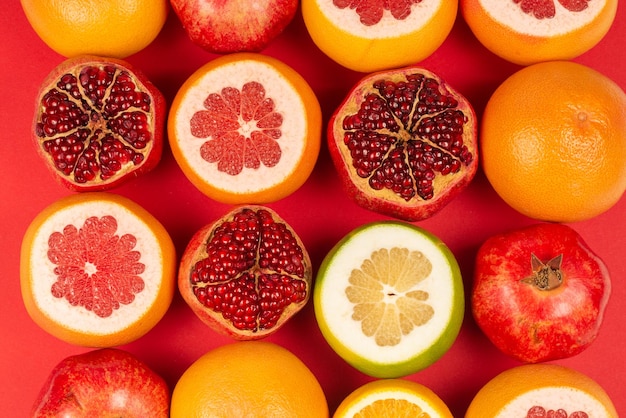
388,27
336,310
396,394
554,398
288,103
77,318
510,14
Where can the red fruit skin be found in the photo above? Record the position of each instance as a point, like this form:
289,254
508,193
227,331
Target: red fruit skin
104,382
195,251
160,107
234,26
530,324
363,195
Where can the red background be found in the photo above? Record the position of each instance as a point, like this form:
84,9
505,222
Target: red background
319,212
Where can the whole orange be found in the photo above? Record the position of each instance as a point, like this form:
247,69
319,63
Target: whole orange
554,141
248,379
112,28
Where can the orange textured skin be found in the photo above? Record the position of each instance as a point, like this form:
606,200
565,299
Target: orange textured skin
554,141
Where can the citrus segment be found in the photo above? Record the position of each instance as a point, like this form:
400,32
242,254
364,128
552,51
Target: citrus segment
392,398
541,390
245,128
372,35
115,28
527,32
554,141
97,270
248,379
389,298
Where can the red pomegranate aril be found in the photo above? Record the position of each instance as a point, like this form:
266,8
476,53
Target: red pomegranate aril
404,143
97,122
246,274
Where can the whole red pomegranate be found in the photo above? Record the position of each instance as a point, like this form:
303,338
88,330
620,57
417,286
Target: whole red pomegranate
102,383
539,292
246,274
404,143
235,25
98,122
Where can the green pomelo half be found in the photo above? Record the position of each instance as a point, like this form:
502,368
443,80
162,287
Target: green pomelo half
389,299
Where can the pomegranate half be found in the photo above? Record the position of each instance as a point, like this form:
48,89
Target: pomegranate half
404,143
98,122
246,274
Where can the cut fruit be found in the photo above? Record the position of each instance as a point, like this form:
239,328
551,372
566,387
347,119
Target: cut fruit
370,35
98,122
246,128
526,32
246,274
389,299
541,390
97,270
392,398
254,379
404,143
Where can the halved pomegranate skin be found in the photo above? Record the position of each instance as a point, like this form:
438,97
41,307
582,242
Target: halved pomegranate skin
98,122
246,274
404,143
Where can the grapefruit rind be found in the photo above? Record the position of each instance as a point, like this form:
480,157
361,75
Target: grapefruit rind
78,325
301,129
425,344
510,14
388,44
508,32
514,391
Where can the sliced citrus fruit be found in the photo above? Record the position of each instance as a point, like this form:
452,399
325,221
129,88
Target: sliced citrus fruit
255,379
529,31
113,28
245,128
389,298
371,35
553,141
392,398
97,270
541,391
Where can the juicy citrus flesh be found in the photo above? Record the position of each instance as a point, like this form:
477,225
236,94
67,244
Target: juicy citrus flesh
389,309
97,270
117,28
541,387
248,379
246,128
392,398
370,38
554,142
527,32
